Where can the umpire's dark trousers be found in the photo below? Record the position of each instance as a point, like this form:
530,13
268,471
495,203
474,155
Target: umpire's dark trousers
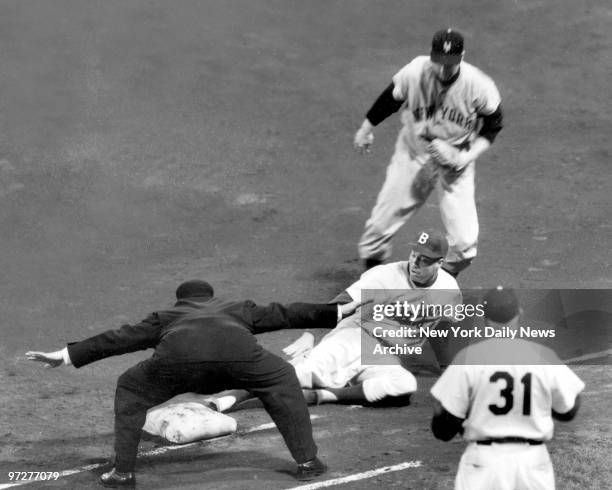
155,381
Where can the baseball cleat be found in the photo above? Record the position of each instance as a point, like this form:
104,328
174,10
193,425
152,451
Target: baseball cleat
116,479
310,469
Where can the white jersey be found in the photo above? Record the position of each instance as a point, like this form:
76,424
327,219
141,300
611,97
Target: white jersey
388,283
396,276
432,110
344,354
499,401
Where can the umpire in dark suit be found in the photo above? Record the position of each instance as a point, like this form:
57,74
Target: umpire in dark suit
204,345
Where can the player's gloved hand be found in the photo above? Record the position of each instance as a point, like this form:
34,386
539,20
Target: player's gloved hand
448,156
364,137
51,359
463,158
301,346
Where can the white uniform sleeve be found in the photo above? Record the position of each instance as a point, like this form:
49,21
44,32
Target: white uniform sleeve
452,390
566,387
401,80
368,280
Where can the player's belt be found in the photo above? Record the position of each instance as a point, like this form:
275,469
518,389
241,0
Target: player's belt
510,440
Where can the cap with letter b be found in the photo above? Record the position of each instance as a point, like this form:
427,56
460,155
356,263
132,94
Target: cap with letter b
447,47
431,243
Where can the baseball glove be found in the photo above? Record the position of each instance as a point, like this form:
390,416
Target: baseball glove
425,180
446,155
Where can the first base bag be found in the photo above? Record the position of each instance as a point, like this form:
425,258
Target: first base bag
186,418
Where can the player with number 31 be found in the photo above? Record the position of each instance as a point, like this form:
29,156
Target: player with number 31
502,395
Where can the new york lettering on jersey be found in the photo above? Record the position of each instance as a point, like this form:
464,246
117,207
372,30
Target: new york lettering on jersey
441,97
455,107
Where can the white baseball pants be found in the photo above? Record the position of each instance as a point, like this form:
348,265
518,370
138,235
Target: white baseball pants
505,467
335,362
397,203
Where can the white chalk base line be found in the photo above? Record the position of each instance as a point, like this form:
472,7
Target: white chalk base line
588,357
359,476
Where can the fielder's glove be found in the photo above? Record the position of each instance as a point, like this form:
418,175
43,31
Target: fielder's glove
425,180
447,155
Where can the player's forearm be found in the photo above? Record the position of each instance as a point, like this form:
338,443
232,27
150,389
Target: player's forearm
366,127
446,155
477,148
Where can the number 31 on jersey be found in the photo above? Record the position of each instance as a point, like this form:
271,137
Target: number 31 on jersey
507,393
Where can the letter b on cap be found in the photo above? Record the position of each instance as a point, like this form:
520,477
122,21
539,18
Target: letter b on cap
423,238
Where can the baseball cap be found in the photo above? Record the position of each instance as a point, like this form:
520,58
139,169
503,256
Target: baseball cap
447,47
500,304
431,243
195,288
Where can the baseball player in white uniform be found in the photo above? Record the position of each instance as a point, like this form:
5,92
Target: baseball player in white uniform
442,98
332,371
503,395
334,368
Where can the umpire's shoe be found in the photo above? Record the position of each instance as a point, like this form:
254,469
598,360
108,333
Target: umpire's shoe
310,469
115,479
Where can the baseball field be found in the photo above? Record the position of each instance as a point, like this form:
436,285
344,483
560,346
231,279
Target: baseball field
147,142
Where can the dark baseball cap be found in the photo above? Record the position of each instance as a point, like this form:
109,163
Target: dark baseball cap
501,304
447,47
431,243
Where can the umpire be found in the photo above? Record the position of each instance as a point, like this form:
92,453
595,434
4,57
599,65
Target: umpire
204,345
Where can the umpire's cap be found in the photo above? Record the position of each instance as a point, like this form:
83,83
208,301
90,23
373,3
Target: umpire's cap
195,288
500,304
447,47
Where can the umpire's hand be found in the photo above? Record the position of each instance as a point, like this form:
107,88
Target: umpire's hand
51,359
347,309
